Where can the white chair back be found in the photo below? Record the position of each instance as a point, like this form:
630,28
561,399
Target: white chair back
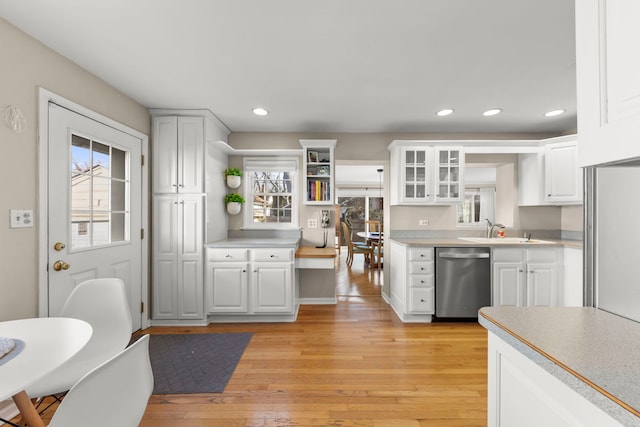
115,393
103,304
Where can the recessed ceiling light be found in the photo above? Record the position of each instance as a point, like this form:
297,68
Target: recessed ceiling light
492,112
259,111
554,113
444,112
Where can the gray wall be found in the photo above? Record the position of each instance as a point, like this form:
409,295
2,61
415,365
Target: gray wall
26,65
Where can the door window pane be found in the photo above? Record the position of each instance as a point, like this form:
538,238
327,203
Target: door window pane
99,193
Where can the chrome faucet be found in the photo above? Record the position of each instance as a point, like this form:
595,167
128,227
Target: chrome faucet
491,226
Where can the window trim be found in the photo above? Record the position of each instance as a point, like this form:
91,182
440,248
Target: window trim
270,164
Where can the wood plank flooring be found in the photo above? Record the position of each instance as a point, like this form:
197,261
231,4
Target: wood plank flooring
349,365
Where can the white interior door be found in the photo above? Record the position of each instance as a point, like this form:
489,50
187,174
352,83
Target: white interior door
95,207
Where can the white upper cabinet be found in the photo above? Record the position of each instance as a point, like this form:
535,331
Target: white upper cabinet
178,144
563,177
449,165
608,80
550,176
422,174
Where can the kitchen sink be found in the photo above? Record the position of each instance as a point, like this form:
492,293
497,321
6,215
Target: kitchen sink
505,240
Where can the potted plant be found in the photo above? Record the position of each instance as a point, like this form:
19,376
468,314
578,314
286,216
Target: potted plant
234,177
234,203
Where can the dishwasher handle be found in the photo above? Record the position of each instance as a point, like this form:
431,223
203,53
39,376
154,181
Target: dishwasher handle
456,255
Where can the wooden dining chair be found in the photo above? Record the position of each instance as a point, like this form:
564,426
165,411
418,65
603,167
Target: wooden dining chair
373,226
378,254
352,249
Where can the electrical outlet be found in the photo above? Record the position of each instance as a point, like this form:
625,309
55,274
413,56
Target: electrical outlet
312,223
424,222
21,218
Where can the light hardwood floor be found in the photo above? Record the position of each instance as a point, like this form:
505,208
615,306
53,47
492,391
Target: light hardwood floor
352,364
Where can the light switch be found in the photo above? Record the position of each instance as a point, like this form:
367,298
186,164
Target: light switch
312,223
21,218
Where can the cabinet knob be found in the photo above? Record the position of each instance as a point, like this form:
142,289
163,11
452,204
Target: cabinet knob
227,256
181,185
272,256
421,299
244,271
521,270
421,281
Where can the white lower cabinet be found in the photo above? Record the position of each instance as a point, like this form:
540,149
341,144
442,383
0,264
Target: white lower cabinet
250,281
177,262
412,282
527,277
521,393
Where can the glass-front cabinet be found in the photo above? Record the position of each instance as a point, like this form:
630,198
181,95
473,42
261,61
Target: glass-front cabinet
449,179
426,174
416,176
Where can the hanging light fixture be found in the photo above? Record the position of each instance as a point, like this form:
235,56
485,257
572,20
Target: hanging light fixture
380,174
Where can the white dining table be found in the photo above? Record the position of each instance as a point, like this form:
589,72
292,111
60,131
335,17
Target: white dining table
48,342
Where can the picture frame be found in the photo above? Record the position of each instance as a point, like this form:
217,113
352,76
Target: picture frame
312,157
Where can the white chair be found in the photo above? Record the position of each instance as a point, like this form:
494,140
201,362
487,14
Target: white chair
115,393
103,304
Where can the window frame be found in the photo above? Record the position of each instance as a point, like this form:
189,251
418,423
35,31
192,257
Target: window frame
270,164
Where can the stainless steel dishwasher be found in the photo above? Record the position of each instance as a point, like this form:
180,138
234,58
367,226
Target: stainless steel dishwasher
463,281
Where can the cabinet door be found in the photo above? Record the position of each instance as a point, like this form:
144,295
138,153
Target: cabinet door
541,285
190,221
416,187
165,154
165,257
563,178
190,144
608,80
226,288
272,287
449,168
508,284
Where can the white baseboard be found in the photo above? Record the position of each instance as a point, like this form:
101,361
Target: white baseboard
311,301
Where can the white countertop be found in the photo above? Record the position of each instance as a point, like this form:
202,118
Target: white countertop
248,242
594,352
453,241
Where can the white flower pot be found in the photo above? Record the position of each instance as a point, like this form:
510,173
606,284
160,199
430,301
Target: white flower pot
234,208
233,181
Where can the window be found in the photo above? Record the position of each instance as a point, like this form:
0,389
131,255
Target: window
271,189
99,193
478,205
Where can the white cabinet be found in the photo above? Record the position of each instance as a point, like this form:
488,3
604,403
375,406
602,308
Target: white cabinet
423,174
522,393
449,180
563,177
412,282
318,169
608,80
551,176
250,281
178,218
177,257
526,277
178,156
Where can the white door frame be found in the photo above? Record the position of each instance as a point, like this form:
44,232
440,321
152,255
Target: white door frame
44,96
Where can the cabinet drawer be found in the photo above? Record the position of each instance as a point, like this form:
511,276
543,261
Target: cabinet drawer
421,300
542,255
418,267
421,254
279,254
222,254
421,280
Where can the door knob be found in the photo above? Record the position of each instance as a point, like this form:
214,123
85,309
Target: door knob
59,246
60,265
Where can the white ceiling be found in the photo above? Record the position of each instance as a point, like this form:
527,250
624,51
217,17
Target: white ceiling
326,65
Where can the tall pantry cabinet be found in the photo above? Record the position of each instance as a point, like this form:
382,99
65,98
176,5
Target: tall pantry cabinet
188,197
178,196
